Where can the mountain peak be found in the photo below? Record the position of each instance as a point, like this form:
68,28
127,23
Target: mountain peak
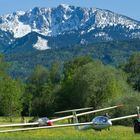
66,20
19,13
66,6
36,11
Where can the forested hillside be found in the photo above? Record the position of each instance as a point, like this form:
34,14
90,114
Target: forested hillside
115,53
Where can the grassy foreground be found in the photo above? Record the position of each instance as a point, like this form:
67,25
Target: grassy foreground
115,133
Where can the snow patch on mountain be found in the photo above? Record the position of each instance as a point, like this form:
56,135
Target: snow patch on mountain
21,30
107,18
13,25
136,35
41,44
92,28
104,36
20,13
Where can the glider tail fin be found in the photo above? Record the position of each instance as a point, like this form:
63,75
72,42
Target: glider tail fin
75,120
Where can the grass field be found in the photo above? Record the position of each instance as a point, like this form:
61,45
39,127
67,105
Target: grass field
115,133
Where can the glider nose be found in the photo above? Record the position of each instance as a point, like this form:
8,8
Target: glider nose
109,122
49,123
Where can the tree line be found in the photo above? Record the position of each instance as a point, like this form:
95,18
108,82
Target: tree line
81,82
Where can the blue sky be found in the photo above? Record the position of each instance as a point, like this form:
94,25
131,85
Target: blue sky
129,8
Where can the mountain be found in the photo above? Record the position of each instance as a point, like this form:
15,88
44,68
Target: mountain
64,26
46,35
113,53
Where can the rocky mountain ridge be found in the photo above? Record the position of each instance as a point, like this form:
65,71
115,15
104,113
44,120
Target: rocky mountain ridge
66,24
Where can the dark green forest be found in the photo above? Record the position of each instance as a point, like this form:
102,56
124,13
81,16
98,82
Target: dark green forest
80,82
22,61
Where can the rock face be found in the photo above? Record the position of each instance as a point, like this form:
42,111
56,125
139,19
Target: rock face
65,25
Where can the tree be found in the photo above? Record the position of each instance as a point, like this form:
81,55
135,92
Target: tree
39,76
42,85
27,103
97,83
3,67
55,73
10,97
130,102
10,92
71,67
132,68
92,84
64,100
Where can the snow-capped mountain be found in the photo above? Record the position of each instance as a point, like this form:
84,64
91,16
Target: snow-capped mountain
68,24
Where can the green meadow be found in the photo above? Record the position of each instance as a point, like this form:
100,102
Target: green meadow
115,133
